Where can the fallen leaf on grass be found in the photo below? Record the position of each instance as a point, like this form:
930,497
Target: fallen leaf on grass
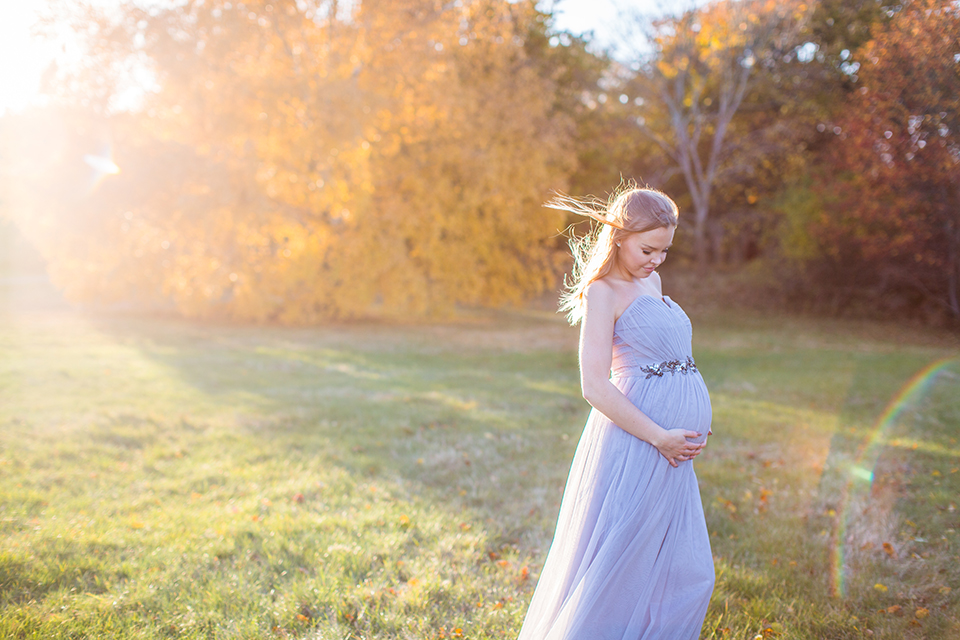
894,608
889,550
921,612
881,588
727,504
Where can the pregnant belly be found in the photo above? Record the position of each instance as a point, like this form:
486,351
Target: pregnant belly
675,401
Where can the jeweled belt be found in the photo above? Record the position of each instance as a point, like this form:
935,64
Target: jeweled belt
673,366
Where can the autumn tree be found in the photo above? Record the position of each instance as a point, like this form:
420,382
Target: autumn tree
308,160
774,138
890,184
695,80
813,89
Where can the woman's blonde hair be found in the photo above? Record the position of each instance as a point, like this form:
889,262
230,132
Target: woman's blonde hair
629,210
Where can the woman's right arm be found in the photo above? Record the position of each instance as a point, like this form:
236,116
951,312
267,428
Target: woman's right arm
596,356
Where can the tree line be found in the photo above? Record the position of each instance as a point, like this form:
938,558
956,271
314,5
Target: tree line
296,161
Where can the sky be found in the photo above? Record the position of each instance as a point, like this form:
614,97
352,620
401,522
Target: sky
24,57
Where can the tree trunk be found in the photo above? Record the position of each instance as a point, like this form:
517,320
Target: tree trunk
700,241
953,263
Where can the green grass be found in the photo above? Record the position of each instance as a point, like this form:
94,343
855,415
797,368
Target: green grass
160,479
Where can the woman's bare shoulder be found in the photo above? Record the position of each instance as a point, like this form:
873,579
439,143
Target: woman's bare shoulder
601,300
612,296
600,290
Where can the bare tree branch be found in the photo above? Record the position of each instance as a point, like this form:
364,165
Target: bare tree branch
699,69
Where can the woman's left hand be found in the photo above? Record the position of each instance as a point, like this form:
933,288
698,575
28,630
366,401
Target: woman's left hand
699,449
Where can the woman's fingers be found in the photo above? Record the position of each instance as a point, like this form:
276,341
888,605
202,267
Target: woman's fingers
678,447
692,450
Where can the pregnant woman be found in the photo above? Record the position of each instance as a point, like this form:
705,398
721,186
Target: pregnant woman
631,555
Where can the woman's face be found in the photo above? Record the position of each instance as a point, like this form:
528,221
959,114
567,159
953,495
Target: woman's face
641,253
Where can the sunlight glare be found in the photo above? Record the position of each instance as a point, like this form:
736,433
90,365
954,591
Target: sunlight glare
24,55
102,164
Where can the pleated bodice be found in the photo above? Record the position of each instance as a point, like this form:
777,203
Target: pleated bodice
650,332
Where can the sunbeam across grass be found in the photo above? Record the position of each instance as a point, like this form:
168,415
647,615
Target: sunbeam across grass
160,479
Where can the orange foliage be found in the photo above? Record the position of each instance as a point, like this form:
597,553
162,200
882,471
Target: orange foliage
892,180
297,165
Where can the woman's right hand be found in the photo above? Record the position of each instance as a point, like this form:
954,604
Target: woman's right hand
674,446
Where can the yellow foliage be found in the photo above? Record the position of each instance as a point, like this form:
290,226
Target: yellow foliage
388,163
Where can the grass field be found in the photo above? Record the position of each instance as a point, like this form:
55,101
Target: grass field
160,479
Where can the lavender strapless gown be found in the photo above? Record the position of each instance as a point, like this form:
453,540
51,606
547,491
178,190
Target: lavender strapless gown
631,555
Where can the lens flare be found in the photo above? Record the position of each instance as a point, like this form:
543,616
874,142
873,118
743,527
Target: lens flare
861,473
103,165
